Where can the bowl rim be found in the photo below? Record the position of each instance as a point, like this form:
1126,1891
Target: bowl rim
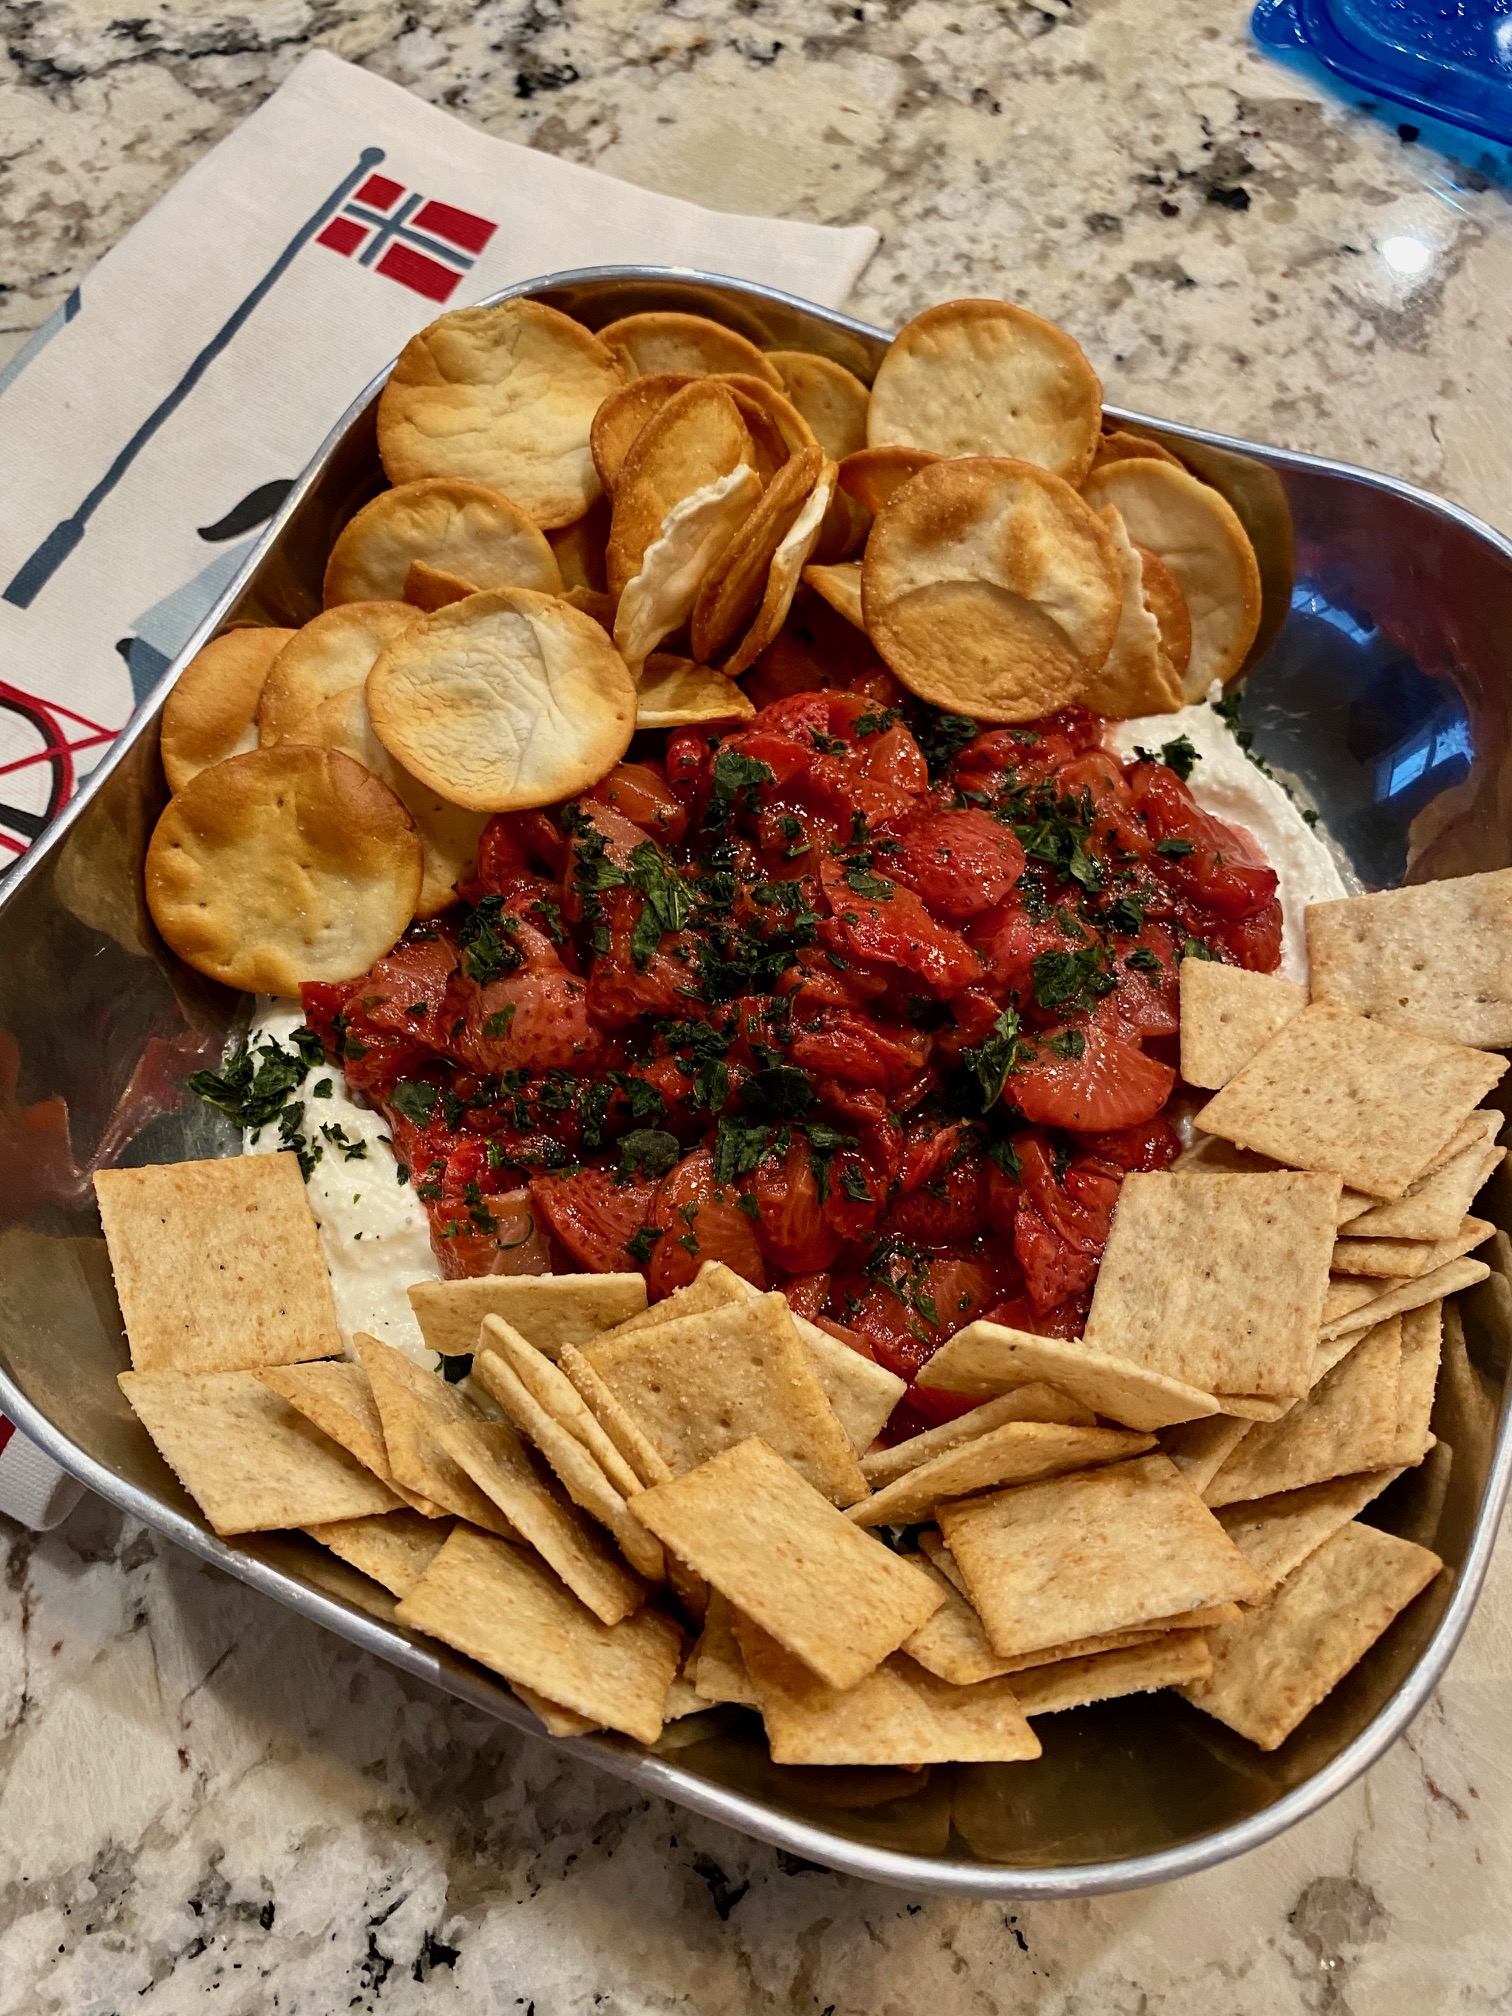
650,1772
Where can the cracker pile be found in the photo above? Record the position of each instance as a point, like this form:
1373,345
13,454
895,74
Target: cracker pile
591,533
635,1514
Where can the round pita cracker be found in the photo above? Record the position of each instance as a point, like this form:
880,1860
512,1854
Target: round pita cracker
579,548
831,399
507,700
426,588
1117,445
455,527
330,654
622,416
732,589
1136,677
871,475
987,378
448,833
675,692
666,340
840,585
281,866
695,440
792,429
505,396
212,711
1198,535
991,588
784,574
1166,603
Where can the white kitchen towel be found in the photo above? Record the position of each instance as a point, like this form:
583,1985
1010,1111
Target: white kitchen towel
155,422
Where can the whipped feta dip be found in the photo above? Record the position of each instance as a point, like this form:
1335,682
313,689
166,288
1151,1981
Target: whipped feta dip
1225,782
374,1230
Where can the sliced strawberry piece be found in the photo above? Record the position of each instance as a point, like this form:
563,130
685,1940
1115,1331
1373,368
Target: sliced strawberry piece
518,850
698,1221
790,1225
594,1216
1058,1319
641,794
950,1208
807,1294
1152,1146
895,929
497,1235
1254,942
1054,1269
537,1019
1008,941
1218,865
1099,1083
961,863
850,1046
928,1147
1116,825
405,993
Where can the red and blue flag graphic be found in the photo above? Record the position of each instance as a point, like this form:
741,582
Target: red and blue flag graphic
425,245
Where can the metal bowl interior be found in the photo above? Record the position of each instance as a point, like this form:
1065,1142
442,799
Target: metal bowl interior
1381,686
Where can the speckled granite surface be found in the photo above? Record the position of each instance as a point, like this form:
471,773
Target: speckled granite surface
205,1802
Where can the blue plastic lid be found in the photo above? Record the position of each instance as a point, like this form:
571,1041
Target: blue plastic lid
1449,59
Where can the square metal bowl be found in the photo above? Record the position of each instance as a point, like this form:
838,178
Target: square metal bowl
1380,684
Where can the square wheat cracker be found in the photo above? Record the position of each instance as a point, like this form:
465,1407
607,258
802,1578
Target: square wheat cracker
1278,1663
505,1609
639,1452
562,1401
1035,1402
412,1405
1218,1280
1098,1551
1435,958
898,1714
862,1393
549,1309
1437,1204
1406,1259
985,1357
1014,1453
1276,1535
1417,1381
581,1476
1200,1448
704,1383
777,1549
250,1461
1400,1296
1227,1014
1175,1659
1338,1094
495,1459
939,1557
719,1672
338,1397
217,1264
394,1548
1347,1423
952,1644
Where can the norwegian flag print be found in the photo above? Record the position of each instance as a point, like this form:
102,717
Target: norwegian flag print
424,244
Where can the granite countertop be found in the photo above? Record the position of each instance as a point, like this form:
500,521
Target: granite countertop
202,1795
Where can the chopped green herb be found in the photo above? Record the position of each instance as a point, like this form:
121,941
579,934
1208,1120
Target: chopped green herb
648,1151
484,940
1174,850
991,1063
415,1099
640,1245
498,1023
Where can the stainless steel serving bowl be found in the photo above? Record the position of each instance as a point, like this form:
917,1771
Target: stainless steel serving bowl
1381,685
